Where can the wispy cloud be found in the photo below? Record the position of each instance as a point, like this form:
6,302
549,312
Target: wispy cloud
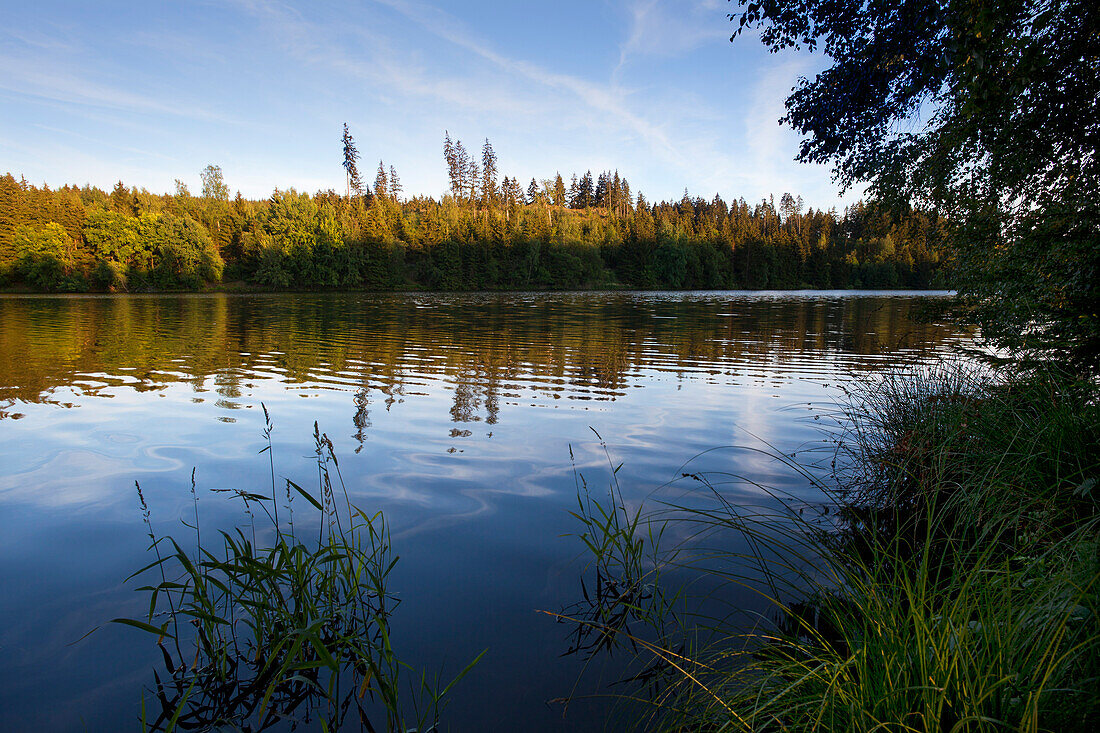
39,40
763,134
670,28
649,87
374,58
16,76
140,152
176,46
762,159
602,98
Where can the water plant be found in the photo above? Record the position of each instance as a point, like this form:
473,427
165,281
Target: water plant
283,625
625,603
950,581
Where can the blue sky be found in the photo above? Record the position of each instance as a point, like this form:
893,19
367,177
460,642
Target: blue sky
153,91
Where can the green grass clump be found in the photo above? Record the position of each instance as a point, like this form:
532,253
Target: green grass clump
955,590
1019,457
293,629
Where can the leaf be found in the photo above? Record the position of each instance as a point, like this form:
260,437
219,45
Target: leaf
176,715
161,631
306,494
463,673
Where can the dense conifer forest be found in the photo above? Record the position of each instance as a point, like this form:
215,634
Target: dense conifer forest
486,233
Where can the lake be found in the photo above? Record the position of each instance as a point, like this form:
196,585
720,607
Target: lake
456,415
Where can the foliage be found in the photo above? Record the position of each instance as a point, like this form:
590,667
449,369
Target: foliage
254,635
44,257
958,588
487,235
114,237
987,111
163,250
627,596
213,184
183,252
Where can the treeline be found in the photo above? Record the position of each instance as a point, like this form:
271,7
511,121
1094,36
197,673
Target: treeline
482,235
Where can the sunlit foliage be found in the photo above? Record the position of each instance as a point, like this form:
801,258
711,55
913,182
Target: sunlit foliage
490,235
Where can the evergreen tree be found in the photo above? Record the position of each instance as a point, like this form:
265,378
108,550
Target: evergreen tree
559,191
533,192
473,177
395,185
11,216
516,192
454,170
381,181
787,207
69,213
120,198
351,164
489,192
585,193
602,198
137,206
467,174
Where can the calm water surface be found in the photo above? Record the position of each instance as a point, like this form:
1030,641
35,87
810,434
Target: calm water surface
454,414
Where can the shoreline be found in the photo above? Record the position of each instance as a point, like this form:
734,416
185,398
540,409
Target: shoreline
241,288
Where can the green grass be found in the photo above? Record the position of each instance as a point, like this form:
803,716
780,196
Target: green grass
257,632
955,590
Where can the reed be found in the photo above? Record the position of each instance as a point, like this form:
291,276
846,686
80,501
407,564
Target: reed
257,632
949,583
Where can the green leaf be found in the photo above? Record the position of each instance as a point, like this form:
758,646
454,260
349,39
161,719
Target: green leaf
161,631
306,494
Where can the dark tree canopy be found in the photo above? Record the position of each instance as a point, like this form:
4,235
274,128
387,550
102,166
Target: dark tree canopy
987,111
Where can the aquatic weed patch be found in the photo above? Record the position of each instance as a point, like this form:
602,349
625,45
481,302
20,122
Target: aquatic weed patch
956,589
295,630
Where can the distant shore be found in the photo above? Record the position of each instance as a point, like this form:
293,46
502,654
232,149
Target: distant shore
244,287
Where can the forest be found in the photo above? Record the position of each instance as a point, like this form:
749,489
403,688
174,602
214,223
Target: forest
485,233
